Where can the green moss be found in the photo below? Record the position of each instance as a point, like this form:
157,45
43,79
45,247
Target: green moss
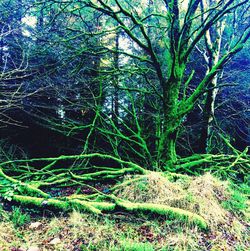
84,206
97,207
19,218
105,206
237,202
171,212
135,246
77,157
103,174
58,204
30,189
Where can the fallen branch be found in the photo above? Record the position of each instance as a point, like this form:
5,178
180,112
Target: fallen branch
97,208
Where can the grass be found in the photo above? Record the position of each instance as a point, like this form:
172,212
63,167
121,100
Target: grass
133,246
237,202
206,196
114,233
18,218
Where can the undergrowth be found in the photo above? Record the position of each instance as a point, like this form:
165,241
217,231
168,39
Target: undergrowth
19,218
223,205
237,202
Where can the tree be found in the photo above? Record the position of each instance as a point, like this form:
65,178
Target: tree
218,41
184,29
13,61
161,37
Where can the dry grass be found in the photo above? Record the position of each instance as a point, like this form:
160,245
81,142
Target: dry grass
208,193
201,195
152,188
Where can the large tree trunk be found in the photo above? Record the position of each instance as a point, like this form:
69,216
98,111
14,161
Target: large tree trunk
167,145
171,122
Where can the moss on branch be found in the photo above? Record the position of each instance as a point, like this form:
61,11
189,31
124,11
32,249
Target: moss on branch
78,157
171,212
103,174
30,189
66,205
96,207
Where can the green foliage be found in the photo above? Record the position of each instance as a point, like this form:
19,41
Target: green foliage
190,197
19,218
54,231
101,245
237,203
133,246
8,189
142,185
240,248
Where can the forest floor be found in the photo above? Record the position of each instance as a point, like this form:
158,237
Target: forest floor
224,206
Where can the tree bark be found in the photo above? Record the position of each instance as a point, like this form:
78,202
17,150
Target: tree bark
213,50
208,117
171,122
167,149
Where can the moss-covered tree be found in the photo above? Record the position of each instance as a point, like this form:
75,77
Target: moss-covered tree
182,27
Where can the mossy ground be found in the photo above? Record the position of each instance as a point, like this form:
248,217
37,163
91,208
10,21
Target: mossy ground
225,208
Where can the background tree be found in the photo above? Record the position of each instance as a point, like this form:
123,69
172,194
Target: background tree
13,61
218,40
